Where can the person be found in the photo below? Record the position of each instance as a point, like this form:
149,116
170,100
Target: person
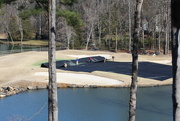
113,58
90,59
77,61
105,60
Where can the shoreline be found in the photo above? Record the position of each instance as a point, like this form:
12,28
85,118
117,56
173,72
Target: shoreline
41,43
19,44
9,91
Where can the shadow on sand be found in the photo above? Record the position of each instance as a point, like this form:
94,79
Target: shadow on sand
146,69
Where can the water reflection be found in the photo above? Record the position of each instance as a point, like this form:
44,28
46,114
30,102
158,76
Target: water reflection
8,49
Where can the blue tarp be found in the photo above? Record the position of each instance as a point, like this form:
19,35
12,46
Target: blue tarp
61,63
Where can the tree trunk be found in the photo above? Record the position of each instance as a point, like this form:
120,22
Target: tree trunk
68,34
99,30
133,88
169,39
52,91
166,29
10,35
109,23
175,19
166,42
21,30
143,38
159,42
89,36
153,44
142,26
116,41
40,27
176,73
19,22
129,13
99,24
73,42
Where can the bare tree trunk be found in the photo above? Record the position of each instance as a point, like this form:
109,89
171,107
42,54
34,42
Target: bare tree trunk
73,42
40,26
159,42
167,27
166,42
52,91
99,30
175,18
169,39
21,30
99,25
68,34
143,37
142,27
129,10
10,35
109,23
176,73
133,88
88,38
153,45
116,41
19,22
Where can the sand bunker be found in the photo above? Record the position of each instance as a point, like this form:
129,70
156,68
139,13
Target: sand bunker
81,79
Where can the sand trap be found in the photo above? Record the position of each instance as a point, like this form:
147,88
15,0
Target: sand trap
81,79
163,62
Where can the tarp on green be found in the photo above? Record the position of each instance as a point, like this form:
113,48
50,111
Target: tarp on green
61,63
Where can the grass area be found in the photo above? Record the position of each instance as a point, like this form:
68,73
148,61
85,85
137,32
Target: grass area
29,42
35,42
39,63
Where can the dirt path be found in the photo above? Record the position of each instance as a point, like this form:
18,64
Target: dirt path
21,69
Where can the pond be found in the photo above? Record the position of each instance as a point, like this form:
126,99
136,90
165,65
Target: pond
8,49
85,104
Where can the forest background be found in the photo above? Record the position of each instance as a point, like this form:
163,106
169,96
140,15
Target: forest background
89,24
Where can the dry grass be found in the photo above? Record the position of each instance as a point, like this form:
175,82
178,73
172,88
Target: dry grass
29,42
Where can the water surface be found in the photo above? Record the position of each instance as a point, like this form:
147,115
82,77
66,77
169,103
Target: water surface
8,49
102,104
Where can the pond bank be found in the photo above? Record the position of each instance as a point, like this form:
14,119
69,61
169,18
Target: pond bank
9,90
26,43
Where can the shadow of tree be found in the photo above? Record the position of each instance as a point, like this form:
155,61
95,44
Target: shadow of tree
146,69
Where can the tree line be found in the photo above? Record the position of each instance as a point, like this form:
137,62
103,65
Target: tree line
102,24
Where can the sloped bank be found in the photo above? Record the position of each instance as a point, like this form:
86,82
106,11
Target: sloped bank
9,90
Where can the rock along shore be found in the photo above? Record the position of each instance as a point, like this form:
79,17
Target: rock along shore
9,91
